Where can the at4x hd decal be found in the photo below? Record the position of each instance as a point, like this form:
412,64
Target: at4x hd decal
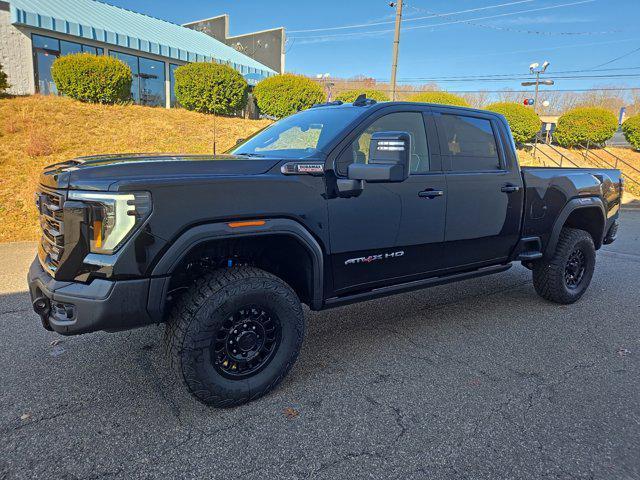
374,258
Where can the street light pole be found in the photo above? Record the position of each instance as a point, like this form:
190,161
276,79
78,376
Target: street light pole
396,44
535,96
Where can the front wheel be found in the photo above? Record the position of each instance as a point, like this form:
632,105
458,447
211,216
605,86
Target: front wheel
235,335
565,277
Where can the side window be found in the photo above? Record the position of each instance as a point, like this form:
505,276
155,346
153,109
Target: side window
410,122
469,142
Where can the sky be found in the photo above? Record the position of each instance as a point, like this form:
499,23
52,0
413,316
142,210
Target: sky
440,38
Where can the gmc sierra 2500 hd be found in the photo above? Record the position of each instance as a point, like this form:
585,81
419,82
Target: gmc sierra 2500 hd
336,204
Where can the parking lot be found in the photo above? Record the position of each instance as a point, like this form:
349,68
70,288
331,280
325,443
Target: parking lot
479,379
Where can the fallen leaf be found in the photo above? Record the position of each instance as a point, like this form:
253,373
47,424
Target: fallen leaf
623,352
25,416
290,412
55,342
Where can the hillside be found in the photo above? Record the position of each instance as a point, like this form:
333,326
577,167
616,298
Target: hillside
37,131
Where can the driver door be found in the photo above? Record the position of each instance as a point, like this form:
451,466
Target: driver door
391,231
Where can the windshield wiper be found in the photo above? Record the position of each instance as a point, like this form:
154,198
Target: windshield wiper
244,154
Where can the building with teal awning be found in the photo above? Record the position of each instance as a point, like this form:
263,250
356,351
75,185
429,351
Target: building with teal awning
33,33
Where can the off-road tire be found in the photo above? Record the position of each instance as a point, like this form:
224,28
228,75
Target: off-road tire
199,314
549,275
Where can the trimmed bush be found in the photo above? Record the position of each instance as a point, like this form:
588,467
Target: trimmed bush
210,88
92,78
585,124
283,95
349,96
443,98
631,130
4,82
523,121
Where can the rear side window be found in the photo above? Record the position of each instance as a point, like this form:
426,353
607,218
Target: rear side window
469,141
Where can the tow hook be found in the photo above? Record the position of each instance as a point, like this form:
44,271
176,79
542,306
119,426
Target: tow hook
42,307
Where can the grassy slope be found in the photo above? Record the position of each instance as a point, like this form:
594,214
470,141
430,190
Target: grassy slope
37,131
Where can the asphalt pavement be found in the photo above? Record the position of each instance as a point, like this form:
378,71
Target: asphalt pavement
479,379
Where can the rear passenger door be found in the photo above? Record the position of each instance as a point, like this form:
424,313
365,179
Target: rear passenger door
484,189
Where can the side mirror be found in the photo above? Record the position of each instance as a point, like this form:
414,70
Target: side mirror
389,159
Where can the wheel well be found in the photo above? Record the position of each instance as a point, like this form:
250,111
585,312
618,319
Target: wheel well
279,254
589,220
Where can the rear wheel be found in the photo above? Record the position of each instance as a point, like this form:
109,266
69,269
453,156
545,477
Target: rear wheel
235,335
565,277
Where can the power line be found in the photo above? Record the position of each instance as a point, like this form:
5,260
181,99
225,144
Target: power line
506,90
413,19
415,27
503,79
518,30
618,58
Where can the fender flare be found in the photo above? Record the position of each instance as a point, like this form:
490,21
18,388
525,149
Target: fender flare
221,230
568,209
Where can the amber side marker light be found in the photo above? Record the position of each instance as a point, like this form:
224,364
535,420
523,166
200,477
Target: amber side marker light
97,233
248,223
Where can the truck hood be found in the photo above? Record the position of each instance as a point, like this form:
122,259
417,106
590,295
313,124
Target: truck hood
103,172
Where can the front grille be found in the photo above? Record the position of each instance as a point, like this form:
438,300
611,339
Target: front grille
49,204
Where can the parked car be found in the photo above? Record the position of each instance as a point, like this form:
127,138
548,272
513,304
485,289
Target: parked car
337,204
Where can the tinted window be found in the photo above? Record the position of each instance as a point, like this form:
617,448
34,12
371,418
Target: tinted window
67,48
172,81
92,50
469,141
48,43
152,90
132,61
410,122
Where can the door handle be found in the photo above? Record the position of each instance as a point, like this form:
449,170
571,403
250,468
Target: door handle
510,188
430,193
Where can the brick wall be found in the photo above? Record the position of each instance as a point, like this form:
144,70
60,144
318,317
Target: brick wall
15,55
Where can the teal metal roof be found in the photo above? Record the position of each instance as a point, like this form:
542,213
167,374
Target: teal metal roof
119,27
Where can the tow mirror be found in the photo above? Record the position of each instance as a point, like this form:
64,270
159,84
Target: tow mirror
389,159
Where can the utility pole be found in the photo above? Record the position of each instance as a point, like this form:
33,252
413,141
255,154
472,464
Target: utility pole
396,44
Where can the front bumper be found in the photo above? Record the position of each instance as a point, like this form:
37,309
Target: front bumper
71,308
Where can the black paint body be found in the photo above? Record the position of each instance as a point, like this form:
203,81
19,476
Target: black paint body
473,225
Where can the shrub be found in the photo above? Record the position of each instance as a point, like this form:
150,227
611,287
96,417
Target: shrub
4,82
349,96
585,124
210,88
631,130
443,98
523,121
283,95
92,78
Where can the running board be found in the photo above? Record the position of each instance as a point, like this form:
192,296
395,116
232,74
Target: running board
409,286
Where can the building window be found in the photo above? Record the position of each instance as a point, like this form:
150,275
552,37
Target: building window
147,87
172,84
45,51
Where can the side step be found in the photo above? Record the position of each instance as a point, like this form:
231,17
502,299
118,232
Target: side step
528,256
415,285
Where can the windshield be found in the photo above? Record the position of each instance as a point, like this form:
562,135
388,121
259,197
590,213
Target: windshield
300,135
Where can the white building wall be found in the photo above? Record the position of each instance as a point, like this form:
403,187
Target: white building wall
16,57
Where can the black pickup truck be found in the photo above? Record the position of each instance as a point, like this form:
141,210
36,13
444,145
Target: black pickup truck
336,204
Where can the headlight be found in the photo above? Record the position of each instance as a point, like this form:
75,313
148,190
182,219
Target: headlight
113,217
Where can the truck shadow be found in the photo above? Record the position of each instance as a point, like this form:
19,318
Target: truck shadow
408,324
